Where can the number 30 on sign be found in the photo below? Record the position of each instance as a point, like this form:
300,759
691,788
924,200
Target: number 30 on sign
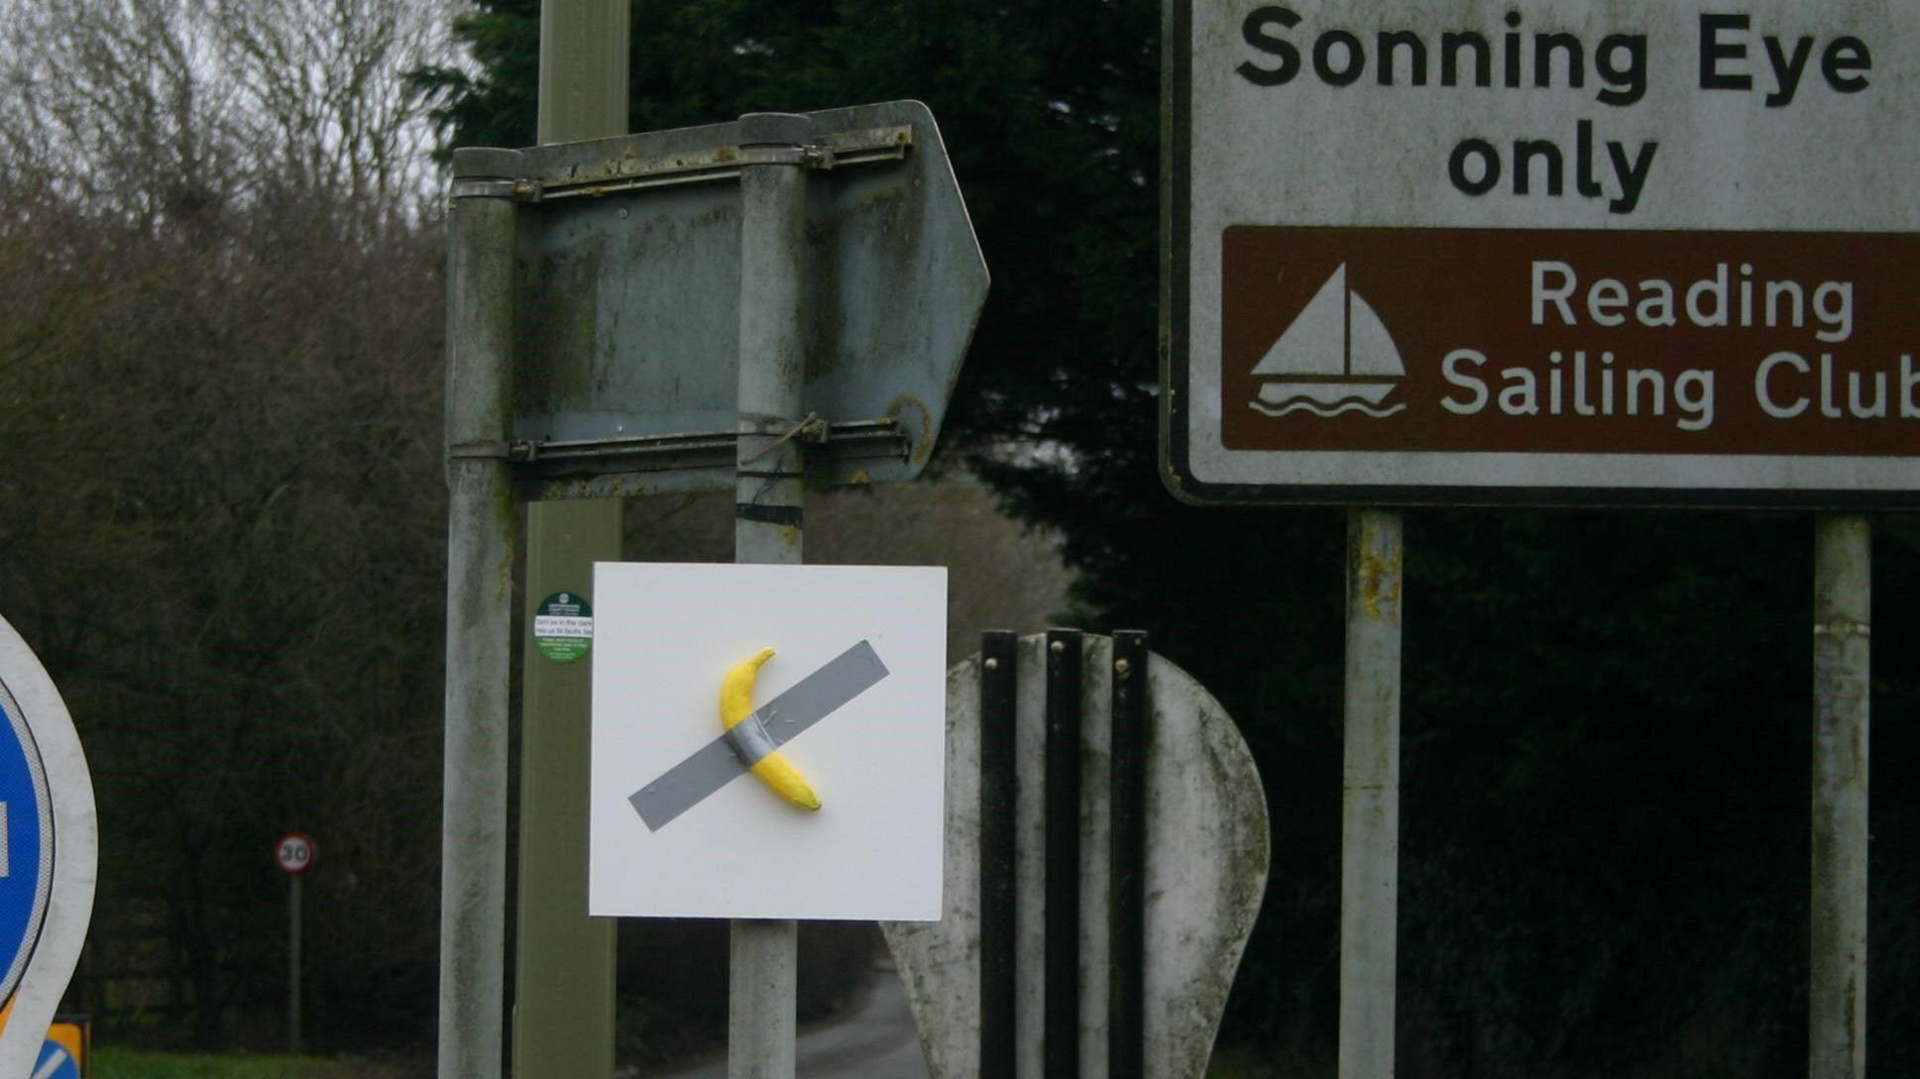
294,852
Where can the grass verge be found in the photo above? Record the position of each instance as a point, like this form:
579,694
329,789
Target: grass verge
1246,1064
119,1063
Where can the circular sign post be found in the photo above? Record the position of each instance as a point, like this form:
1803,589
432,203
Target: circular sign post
49,845
294,854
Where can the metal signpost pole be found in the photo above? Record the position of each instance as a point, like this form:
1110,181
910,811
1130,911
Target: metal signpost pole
1370,806
480,535
293,964
769,520
564,970
1837,991
294,853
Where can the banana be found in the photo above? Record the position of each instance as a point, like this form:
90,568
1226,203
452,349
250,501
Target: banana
736,704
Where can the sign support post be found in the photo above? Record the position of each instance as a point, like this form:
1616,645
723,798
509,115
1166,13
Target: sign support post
564,977
294,853
1370,797
293,965
769,521
1837,991
480,535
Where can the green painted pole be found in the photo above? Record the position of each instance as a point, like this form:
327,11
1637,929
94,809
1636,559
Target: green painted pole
564,960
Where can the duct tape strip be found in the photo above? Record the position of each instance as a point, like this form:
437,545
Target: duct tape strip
782,719
751,741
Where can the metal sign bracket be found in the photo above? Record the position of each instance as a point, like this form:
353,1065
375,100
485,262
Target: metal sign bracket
629,172
555,469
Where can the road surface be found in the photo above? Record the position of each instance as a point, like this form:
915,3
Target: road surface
876,1041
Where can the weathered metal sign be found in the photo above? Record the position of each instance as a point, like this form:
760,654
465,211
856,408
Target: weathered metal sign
1632,253
627,314
1040,811
48,845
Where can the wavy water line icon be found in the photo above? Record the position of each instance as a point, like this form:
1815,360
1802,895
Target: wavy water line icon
1336,358
1349,405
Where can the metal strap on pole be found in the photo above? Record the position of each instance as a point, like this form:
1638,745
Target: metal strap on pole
1060,1045
1370,803
769,522
480,535
1127,860
999,869
1837,989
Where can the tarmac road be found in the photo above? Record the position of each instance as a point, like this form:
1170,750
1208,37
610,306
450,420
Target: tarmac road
877,1041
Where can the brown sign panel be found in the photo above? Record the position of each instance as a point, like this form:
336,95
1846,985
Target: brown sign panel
1465,341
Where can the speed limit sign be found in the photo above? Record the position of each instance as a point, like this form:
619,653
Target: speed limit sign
294,852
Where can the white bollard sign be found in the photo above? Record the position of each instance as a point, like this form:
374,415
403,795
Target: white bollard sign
1561,252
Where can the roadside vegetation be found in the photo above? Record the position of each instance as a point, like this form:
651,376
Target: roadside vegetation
223,531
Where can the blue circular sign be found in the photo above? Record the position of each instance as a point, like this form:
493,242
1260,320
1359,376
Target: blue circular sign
56,1063
26,844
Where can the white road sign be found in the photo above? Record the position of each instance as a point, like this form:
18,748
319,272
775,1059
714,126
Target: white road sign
1559,252
768,741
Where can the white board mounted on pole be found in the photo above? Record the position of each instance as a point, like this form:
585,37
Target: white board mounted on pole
852,699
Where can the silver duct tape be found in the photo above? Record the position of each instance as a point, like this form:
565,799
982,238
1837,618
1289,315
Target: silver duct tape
751,740
776,723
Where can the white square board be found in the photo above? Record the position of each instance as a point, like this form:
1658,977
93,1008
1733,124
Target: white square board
666,635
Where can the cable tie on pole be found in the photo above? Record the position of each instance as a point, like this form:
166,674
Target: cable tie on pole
810,429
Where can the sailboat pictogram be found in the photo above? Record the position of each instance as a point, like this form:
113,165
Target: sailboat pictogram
1336,357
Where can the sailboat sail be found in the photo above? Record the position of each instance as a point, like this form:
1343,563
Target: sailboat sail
1316,342
1370,350
1336,357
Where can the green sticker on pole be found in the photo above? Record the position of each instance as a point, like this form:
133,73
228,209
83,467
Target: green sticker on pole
563,627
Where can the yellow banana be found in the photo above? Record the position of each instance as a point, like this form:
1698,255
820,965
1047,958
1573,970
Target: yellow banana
736,704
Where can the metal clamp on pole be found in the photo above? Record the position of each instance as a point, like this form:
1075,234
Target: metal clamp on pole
755,154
